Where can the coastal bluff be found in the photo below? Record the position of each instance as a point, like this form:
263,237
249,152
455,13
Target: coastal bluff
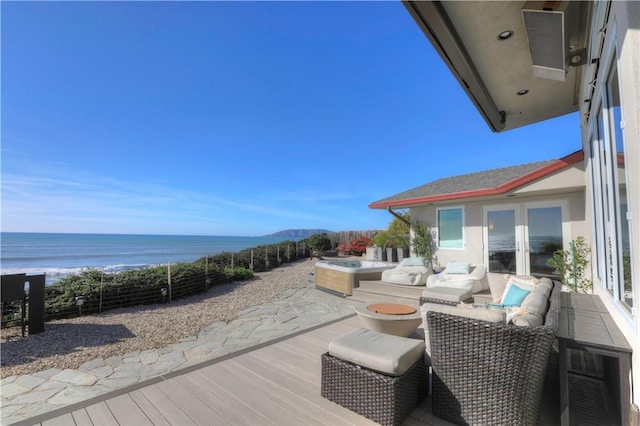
298,233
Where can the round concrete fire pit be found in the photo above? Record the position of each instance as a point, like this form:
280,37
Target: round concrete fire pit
389,318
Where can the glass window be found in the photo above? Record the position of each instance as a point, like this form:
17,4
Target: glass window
606,206
612,228
544,227
501,236
450,228
598,252
619,188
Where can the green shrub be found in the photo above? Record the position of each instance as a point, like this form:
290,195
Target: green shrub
238,273
102,292
571,265
320,242
423,243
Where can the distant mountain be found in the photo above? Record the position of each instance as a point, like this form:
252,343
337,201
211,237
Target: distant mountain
297,233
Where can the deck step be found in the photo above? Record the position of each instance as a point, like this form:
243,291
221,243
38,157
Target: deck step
381,292
361,297
380,287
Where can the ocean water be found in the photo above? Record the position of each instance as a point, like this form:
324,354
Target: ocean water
537,243
59,255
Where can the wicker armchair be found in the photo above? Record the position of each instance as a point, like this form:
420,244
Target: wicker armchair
490,373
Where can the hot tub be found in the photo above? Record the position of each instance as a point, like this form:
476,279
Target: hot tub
342,275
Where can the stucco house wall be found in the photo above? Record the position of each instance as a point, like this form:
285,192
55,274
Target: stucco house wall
473,250
611,32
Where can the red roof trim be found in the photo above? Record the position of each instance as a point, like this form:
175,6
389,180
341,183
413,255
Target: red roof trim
509,186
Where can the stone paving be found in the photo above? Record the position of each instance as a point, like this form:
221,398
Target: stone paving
300,308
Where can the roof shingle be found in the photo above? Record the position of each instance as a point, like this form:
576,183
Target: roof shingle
476,183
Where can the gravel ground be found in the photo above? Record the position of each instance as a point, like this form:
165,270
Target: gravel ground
71,342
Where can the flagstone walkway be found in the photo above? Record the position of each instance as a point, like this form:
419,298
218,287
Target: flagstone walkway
300,308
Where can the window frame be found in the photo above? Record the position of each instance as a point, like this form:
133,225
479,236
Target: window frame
602,126
462,225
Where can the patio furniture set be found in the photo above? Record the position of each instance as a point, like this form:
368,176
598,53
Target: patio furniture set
486,362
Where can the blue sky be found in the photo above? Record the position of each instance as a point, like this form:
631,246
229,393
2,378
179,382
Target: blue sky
232,118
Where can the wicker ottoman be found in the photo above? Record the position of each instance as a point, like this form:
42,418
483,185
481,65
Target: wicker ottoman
386,397
446,295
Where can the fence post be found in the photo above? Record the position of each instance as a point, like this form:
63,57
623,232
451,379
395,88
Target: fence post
101,288
169,279
266,258
233,272
278,254
207,280
251,264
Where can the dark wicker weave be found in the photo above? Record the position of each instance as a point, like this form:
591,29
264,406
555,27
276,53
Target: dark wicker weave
424,300
487,373
384,399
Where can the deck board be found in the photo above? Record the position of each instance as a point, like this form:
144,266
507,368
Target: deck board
148,408
200,412
81,417
231,392
165,406
306,390
276,404
100,414
64,420
227,405
127,412
276,384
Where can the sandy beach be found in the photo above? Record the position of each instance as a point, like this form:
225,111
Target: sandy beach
71,342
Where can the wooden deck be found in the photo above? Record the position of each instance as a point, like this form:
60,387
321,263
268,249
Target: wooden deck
274,384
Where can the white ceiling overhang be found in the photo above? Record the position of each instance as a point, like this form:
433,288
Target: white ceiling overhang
499,75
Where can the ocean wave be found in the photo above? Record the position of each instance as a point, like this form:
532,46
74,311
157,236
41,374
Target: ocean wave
53,274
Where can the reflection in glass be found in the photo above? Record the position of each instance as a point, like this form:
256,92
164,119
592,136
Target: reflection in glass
604,178
450,228
545,237
501,226
618,173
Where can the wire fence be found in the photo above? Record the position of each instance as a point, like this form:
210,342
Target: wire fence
94,291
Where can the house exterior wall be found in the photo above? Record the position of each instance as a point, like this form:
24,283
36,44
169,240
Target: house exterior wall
473,250
623,33
571,177
610,202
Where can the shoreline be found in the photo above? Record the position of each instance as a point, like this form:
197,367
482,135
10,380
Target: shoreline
59,255
68,343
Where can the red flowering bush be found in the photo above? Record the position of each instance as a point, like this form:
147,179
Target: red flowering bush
356,247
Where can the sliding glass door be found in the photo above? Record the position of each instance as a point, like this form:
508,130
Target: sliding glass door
543,233
521,238
501,241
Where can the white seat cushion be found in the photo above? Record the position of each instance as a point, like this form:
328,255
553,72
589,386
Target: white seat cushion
384,353
474,280
407,275
448,294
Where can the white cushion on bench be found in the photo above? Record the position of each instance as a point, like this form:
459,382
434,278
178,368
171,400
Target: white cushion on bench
407,275
447,294
384,353
474,280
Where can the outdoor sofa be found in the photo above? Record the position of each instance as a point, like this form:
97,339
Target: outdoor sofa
489,362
